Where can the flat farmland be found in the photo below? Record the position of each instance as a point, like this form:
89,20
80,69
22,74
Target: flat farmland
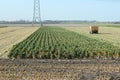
10,36
108,34
59,43
33,69
59,53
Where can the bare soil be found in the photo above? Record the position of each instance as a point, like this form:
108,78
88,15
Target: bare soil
59,69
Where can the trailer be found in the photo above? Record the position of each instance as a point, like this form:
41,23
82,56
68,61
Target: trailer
94,29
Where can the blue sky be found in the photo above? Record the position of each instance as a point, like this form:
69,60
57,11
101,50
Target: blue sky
100,10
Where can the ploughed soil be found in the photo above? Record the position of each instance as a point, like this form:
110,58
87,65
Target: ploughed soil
34,69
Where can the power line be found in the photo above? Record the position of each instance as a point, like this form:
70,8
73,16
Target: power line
36,14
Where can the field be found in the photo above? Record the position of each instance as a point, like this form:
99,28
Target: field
108,34
65,52
59,70
9,36
59,43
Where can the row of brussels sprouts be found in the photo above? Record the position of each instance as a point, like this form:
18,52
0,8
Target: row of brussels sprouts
58,43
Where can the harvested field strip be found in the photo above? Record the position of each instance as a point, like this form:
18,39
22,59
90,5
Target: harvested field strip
7,29
59,43
11,32
11,36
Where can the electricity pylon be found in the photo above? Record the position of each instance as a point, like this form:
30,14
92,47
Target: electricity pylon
36,14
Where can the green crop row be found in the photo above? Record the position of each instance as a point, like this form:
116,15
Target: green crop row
59,43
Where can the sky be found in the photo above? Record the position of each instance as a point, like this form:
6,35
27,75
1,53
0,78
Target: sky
100,10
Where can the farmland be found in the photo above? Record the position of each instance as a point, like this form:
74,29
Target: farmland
108,34
59,53
59,69
9,36
59,43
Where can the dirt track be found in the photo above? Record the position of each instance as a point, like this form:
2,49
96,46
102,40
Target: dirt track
9,36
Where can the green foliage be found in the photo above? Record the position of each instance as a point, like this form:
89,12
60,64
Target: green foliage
112,25
58,43
3,26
